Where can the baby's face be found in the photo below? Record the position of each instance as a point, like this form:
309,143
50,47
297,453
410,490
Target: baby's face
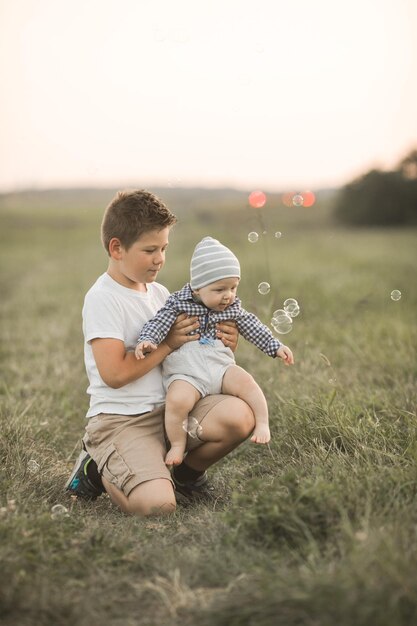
219,295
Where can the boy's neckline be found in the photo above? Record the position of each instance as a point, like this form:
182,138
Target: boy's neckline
141,292
142,286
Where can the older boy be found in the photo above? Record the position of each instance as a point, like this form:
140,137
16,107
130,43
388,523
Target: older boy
124,433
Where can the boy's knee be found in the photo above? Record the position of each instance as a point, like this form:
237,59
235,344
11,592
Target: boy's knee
152,498
160,508
148,509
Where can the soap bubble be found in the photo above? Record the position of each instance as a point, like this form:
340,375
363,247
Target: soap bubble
303,198
293,311
290,302
278,313
33,466
291,307
253,237
264,288
395,295
282,323
58,511
192,427
257,199
278,235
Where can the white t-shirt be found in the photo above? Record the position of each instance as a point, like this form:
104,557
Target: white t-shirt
113,311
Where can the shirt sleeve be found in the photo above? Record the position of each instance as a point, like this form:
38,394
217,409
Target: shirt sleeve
252,329
102,317
158,327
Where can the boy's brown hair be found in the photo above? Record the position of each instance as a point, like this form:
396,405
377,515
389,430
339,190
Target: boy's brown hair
132,213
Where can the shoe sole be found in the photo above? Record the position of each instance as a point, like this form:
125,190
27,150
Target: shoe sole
77,466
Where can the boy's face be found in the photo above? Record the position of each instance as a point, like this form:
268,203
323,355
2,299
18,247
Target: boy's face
218,295
143,260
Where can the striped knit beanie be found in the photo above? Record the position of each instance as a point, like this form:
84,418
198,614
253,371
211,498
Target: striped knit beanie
212,261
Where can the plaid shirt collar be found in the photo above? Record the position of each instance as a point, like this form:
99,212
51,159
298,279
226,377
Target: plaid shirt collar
185,295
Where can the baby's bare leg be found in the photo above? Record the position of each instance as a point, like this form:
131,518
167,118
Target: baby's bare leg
180,399
237,382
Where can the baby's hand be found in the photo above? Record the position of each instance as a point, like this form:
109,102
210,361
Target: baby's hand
142,348
261,434
286,355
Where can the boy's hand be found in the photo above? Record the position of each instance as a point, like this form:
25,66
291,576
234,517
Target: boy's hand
228,333
261,434
180,331
143,348
286,355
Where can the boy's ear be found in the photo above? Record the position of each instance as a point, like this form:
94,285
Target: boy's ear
115,248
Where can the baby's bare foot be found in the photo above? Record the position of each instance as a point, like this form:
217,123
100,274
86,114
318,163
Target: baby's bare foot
261,435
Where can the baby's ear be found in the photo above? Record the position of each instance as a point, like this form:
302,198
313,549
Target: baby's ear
195,292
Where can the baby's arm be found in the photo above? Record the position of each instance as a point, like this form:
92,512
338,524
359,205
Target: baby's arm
286,355
157,328
260,335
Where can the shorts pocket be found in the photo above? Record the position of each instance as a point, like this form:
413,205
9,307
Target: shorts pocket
114,468
95,429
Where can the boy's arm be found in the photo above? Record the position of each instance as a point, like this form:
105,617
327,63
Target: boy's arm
117,367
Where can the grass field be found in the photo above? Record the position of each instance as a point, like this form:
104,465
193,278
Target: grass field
318,529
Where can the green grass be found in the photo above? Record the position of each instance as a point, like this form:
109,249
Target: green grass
318,529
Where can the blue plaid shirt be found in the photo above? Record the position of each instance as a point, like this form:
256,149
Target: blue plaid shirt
249,326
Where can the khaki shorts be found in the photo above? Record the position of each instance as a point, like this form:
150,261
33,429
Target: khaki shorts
130,449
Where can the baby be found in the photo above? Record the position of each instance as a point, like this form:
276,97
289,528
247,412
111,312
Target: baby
204,367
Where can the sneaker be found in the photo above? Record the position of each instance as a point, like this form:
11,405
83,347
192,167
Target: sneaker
78,483
197,490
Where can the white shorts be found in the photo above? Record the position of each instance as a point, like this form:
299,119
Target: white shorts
201,365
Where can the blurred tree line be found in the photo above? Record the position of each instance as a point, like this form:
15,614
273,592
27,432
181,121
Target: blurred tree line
380,198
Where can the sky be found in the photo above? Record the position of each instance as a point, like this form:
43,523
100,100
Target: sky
263,94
